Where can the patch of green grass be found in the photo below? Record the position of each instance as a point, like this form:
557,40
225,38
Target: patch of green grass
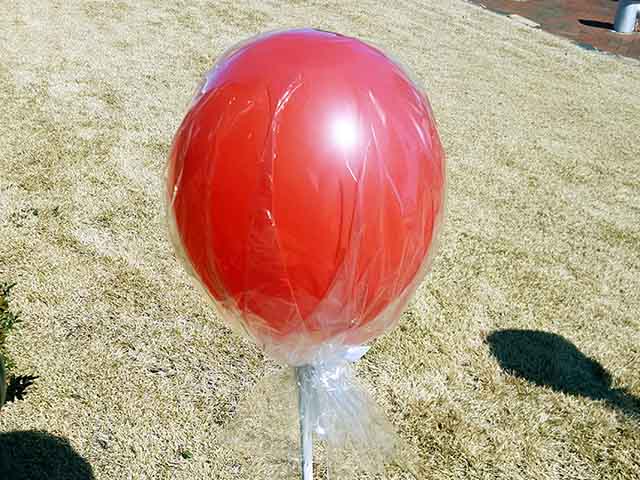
12,386
8,319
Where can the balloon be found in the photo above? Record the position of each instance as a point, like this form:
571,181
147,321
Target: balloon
305,189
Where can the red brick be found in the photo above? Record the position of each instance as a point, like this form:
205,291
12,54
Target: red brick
581,21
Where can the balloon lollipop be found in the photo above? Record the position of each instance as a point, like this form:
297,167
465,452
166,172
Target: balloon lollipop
305,190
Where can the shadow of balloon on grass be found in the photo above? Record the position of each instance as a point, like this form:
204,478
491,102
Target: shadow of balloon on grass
550,360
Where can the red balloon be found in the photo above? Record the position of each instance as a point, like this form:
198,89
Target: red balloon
305,188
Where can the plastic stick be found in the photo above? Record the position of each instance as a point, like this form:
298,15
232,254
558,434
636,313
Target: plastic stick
306,438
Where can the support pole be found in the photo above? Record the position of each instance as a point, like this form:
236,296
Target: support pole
626,16
303,375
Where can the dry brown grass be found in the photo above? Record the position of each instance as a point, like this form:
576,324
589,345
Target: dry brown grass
542,234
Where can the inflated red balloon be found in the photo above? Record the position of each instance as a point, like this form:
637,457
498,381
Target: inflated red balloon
306,186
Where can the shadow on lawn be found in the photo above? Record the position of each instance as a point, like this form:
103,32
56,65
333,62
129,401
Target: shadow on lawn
549,360
17,387
34,455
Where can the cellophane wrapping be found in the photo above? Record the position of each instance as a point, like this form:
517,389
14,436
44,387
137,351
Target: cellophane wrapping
305,192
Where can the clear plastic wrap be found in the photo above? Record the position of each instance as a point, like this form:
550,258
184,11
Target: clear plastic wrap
305,190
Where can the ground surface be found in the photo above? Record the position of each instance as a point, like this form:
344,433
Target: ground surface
137,379
588,23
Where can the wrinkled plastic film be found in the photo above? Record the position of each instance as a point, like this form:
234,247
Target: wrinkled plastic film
349,433
305,191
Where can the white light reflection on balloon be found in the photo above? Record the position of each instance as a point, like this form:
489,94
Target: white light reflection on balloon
344,132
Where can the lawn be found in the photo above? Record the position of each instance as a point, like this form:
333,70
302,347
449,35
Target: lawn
519,357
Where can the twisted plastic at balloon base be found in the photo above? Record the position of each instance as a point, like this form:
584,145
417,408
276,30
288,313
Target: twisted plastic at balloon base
320,406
